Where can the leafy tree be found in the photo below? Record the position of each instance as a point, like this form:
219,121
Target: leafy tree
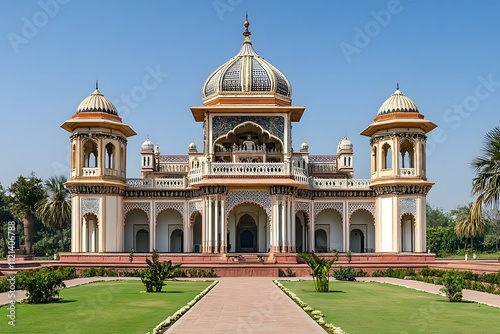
5,217
24,193
486,183
157,272
55,209
436,217
320,270
492,217
442,240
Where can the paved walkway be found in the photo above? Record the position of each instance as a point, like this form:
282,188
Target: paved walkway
244,305
471,295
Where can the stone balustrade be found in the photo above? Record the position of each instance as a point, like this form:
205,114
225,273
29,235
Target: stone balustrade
88,171
240,169
407,172
157,183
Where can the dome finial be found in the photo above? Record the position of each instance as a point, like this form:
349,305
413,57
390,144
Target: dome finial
246,33
97,84
397,86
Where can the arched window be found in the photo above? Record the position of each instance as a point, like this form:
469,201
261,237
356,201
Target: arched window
375,159
387,156
73,156
407,155
90,154
110,156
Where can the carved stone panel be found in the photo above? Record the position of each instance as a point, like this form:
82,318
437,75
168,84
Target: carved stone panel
259,197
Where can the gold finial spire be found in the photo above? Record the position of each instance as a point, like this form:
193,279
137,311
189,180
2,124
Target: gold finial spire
97,84
246,33
397,86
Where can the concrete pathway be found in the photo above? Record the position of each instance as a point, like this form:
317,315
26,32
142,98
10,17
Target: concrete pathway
245,305
471,295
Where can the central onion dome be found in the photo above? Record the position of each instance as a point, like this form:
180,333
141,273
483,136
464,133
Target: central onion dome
398,102
246,75
96,102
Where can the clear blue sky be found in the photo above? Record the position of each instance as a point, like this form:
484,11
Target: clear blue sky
343,59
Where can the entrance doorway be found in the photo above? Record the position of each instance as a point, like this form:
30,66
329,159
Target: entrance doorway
246,235
357,241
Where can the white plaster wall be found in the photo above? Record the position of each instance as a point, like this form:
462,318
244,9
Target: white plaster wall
386,224
407,232
112,244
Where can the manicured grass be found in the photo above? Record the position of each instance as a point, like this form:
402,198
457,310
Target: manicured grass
367,307
104,307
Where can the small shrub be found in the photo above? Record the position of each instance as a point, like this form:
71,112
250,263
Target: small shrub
101,271
67,272
110,272
345,274
89,272
157,272
286,273
453,283
361,273
42,285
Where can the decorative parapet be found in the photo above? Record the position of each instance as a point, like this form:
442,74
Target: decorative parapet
159,183
407,172
320,183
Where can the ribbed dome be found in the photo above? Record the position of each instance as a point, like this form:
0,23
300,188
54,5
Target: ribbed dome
398,102
344,144
147,145
96,102
304,146
246,74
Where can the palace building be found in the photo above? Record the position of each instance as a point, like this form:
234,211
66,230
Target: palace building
244,189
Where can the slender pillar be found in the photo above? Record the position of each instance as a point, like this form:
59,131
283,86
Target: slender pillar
293,226
209,221
85,236
223,227
288,226
312,230
204,227
274,234
216,225
283,226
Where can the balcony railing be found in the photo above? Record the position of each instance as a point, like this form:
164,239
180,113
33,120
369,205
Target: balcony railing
242,169
407,172
87,171
219,169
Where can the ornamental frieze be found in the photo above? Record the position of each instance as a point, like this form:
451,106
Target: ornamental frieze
96,189
221,125
403,189
284,190
98,135
213,190
410,136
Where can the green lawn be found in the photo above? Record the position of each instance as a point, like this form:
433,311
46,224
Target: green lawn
103,307
367,307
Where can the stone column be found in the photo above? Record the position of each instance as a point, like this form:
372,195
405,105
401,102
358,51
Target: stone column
293,226
209,222
85,235
288,225
204,227
223,228
312,231
283,226
216,225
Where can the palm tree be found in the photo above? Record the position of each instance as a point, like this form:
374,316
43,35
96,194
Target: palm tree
465,227
486,184
55,209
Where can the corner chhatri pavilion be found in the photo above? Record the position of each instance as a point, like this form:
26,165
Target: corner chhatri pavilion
246,190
